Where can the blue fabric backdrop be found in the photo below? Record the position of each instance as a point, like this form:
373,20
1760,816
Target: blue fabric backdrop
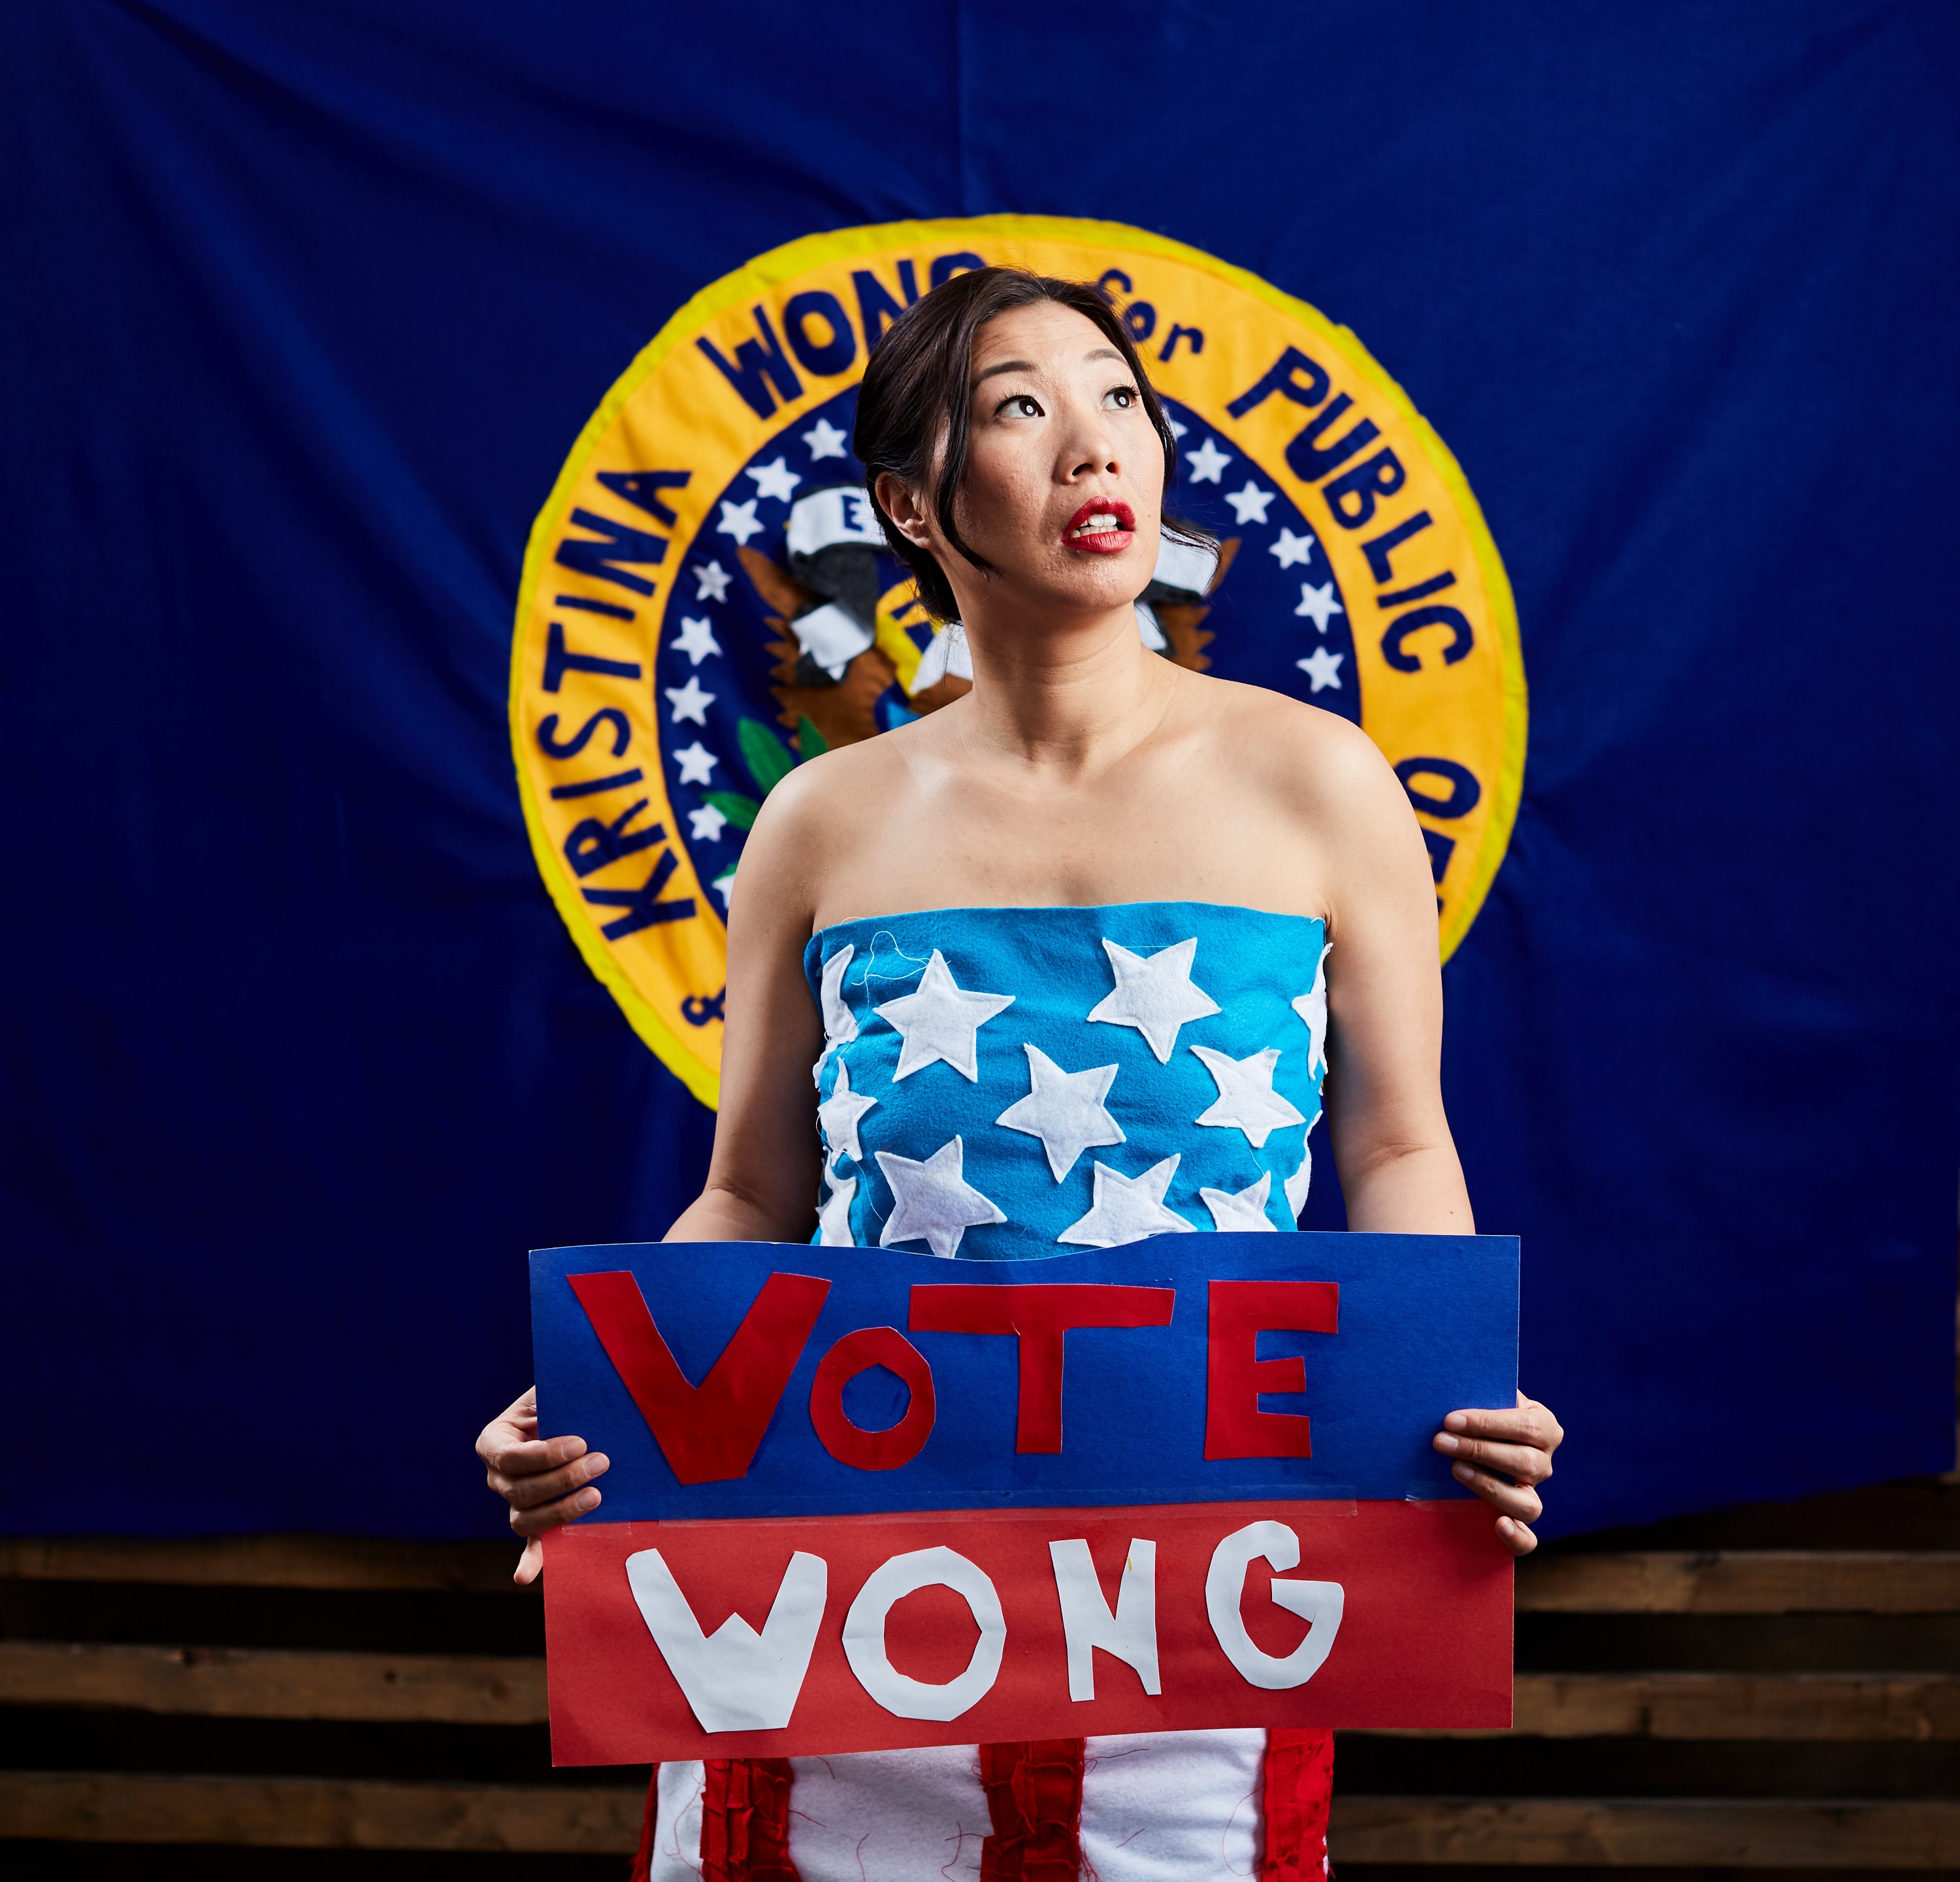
299,311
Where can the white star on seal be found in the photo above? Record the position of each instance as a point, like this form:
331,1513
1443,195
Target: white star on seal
1156,995
1323,668
706,824
1293,550
839,1115
1312,1008
941,1021
1241,1212
825,440
1246,1100
1318,604
776,480
696,763
833,1220
1065,1110
1208,462
713,579
689,702
1126,1208
1249,505
696,638
936,1203
738,520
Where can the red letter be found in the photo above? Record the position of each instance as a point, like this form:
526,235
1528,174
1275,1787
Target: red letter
850,1443
1040,1314
711,1431
1241,1311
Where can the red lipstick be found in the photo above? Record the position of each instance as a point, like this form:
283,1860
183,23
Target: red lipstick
1102,527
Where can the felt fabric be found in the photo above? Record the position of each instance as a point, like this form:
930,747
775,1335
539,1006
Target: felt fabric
1034,1800
1299,1785
997,1084
1083,1077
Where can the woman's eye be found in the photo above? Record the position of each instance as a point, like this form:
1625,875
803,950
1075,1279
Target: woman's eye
1024,407
1122,398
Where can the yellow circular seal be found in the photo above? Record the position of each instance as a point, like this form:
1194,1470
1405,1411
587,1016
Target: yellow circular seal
707,601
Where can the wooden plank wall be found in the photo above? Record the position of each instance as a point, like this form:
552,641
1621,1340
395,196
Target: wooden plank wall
1773,1689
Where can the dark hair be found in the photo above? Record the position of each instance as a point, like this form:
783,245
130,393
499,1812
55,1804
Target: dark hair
916,385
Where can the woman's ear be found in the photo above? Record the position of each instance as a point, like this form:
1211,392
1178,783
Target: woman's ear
908,514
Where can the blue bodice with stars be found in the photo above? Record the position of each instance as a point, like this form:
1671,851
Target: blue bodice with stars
1004,1083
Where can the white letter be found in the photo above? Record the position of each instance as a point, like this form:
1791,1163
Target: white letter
1318,1603
1130,1633
735,1679
864,1635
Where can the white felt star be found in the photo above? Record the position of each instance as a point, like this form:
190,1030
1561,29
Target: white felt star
713,579
1246,1100
941,1021
1156,995
689,702
839,1115
1065,1110
1208,462
1323,668
1249,505
1126,1208
1298,1183
696,763
825,440
706,824
696,638
1242,1212
840,1024
833,1220
723,885
936,1203
1312,1008
776,480
1318,604
738,520
1177,429
1293,550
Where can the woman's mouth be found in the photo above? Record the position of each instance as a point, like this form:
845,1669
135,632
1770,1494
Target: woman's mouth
1102,527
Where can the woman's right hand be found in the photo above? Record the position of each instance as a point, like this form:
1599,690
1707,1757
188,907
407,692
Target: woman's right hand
545,1481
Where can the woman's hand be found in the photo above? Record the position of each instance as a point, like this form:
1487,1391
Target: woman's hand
545,1481
1519,1443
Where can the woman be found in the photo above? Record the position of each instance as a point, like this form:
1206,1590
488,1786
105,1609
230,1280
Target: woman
1060,953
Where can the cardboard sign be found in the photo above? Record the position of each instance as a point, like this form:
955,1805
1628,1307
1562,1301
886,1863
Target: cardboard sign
861,1499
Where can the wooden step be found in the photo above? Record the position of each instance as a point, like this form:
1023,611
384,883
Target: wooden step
304,1812
1837,1707
399,1688
1649,1833
321,1813
235,1682
1754,1582
338,1562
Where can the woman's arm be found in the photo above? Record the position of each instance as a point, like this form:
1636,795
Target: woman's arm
1392,1144
762,1179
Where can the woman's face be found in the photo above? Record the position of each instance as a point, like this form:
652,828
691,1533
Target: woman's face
1065,473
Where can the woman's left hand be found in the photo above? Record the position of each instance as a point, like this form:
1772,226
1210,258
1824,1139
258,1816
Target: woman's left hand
1490,1447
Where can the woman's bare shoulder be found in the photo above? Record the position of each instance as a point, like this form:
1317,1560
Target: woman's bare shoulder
820,806
1312,758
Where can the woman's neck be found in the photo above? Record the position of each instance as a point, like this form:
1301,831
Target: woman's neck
1072,695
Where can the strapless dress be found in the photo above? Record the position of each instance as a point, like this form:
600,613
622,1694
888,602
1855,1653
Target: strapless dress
1004,1084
